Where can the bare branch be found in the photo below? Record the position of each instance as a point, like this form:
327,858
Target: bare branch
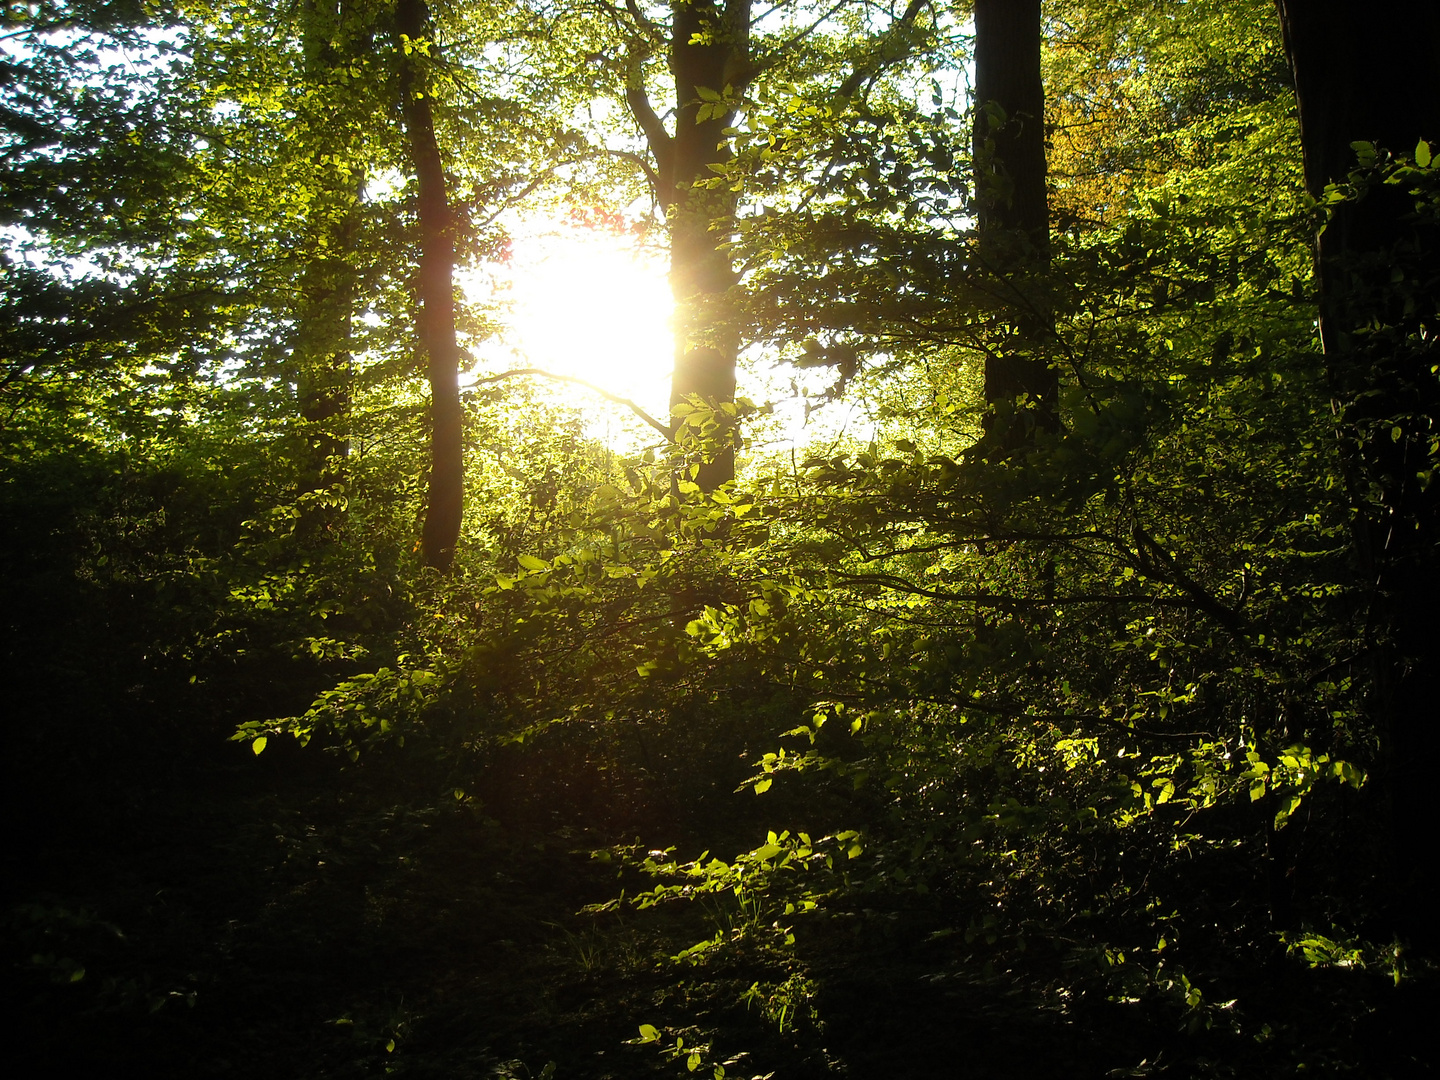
773,56
1159,563
636,409
644,166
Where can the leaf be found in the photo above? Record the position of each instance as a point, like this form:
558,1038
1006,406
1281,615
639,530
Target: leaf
1292,800
531,562
763,786
1422,154
649,1033
258,746
693,1061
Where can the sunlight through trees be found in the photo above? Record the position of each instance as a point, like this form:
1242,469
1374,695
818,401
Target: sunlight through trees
622,538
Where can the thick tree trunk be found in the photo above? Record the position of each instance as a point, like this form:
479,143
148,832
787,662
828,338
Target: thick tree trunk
709,46
1021,389
436,291
1362,74
708,54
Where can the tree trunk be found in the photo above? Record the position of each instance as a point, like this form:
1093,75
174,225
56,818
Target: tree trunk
436,291
709,50
707,345
1021,389
1363,74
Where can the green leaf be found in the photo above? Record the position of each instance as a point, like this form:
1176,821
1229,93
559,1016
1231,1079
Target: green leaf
1288,807
1365,151
531,562
258,746
649,1033
1422,154
763,786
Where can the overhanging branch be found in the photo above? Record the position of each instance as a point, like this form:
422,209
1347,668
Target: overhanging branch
664,429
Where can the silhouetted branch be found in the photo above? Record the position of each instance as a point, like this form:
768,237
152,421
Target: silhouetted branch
664,429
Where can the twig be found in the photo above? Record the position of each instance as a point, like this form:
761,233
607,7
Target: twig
664,429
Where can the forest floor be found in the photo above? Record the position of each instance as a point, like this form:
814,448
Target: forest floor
284,917
290,919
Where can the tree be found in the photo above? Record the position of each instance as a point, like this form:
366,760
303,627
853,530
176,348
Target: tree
713,62
416,49
709,58
1362,92
1021,388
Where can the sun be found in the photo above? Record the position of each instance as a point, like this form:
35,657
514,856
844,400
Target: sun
587,303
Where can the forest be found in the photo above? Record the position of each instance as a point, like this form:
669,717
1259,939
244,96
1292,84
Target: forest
999,650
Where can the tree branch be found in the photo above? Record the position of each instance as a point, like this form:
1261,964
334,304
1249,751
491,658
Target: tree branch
656,137
862,72
993,600
649,25
1164,567
773,56
636,409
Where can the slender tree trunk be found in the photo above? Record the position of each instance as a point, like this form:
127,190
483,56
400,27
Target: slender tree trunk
1021,389
1362,73
436,289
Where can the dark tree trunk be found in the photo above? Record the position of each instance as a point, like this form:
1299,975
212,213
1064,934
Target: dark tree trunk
436,292
1013,214
1362,74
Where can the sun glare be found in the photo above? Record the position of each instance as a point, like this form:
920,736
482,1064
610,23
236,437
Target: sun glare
590,304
